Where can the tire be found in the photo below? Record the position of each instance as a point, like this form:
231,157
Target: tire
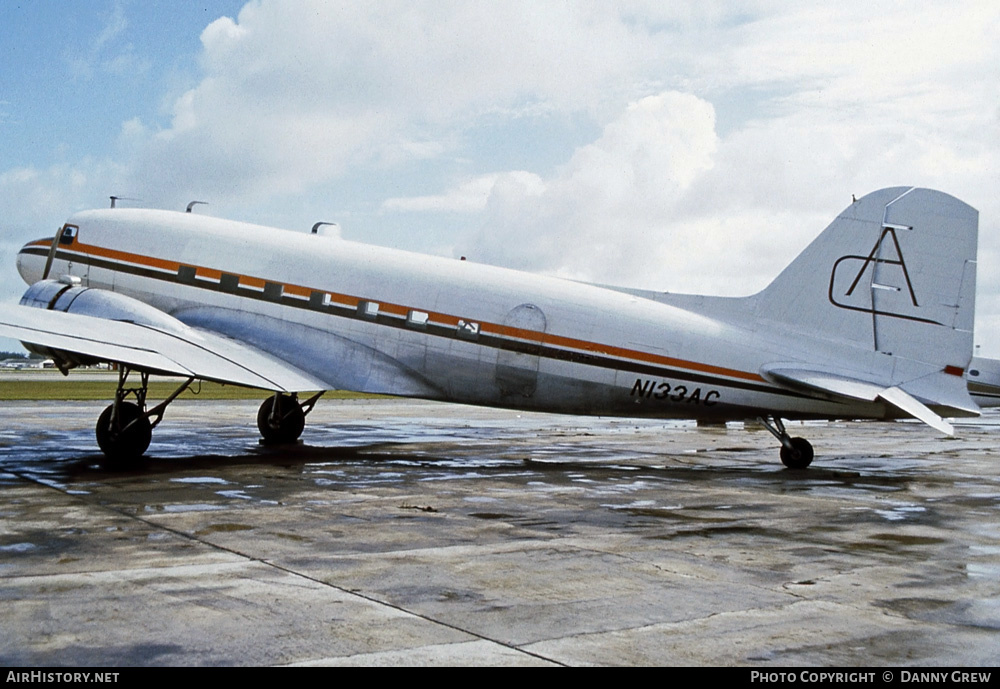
289,425
128,438
799,456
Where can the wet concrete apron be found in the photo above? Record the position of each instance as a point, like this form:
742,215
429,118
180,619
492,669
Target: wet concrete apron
403,532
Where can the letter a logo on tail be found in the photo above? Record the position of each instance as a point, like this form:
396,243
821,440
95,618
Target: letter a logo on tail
888,290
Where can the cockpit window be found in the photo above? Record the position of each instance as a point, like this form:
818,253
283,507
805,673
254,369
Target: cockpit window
68,234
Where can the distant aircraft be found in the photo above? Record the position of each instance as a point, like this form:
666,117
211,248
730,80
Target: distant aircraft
874,320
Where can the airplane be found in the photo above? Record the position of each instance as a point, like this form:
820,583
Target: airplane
873,320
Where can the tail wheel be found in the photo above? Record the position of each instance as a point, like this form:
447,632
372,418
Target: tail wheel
799,455
283,424
126,437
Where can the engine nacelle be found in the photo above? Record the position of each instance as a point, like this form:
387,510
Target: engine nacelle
68,295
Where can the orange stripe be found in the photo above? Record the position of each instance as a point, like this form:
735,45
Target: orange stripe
620,352
394,309
446,319
171,266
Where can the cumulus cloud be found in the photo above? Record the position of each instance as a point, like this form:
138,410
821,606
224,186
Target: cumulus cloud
470,196
607,209
295,95
660,200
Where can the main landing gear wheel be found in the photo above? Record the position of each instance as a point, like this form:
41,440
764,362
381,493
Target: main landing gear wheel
281,419
799,455
125,436
796,453
125,429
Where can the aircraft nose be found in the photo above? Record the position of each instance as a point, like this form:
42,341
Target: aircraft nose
31,259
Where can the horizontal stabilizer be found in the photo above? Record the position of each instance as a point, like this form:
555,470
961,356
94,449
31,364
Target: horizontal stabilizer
181,350
833,384
947,392
943,390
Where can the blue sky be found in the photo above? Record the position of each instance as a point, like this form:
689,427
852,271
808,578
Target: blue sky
74,71
682,146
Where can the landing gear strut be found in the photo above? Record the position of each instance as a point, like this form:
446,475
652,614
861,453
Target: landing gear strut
282,417
796,453
125,429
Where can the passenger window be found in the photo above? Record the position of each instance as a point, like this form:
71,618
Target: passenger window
229,283
319,300
273,290
417,319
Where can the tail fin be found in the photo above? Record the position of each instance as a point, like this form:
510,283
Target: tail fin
894,274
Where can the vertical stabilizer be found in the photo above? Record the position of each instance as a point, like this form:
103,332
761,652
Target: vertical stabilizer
894,274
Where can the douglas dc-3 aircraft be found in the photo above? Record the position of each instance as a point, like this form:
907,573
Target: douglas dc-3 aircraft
873,320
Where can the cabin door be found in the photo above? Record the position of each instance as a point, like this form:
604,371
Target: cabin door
517,360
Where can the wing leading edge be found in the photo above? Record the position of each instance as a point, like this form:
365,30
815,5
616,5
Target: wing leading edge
179,350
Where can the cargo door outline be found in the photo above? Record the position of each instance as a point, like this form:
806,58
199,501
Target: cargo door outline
517,364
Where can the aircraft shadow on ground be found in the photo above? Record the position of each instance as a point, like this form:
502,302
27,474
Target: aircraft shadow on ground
395,457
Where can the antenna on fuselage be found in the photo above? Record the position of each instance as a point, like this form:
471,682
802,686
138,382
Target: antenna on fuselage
315,229
193,204
115,199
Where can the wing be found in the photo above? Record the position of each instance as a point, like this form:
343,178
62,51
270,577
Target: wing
168,347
